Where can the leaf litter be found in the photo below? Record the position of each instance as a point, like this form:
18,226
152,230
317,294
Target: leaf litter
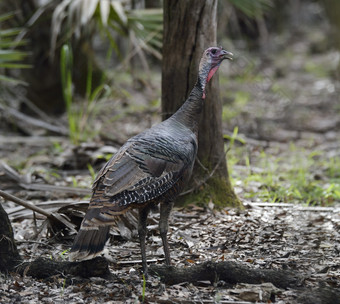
262,236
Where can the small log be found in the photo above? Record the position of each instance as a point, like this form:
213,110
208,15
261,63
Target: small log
42,268
230,272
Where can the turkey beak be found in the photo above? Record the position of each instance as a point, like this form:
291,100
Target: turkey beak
226,55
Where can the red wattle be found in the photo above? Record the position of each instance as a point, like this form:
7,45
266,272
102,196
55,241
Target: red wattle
212,72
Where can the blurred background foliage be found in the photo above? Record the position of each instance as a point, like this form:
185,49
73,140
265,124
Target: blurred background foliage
124,33
118,35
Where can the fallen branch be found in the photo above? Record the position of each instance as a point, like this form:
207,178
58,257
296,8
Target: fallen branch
54,218
44,268
229,272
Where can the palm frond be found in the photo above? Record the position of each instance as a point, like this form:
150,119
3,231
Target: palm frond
10,58
112,17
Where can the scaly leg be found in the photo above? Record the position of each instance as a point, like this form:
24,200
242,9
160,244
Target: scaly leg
143,214
163,228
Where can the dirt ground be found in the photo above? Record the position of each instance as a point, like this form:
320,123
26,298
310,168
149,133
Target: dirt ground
293,98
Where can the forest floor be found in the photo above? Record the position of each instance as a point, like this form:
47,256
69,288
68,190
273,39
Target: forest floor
284,160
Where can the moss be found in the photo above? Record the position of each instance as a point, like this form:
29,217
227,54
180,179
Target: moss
217,190
221,193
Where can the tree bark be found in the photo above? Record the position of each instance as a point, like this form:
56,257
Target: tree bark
190,28
332,9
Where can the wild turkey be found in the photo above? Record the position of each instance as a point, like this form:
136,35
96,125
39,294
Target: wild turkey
150,168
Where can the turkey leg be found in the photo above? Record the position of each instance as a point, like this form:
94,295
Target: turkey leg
143,214
163,228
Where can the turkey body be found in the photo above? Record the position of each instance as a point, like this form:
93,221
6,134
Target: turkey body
153,165
150,168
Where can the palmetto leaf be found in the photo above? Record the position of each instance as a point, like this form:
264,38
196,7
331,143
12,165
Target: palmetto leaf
110,15
9,32
10,43
104,11
6,16
11,55
88,9
118,8
10,58
11,80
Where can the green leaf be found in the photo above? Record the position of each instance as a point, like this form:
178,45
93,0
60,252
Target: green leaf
14,65
10,32
12,80
9,57
5,43
6,16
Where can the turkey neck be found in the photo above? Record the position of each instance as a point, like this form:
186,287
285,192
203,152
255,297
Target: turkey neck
189,113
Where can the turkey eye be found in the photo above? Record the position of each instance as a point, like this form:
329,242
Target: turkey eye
213,51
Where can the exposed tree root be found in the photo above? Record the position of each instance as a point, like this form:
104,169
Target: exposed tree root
44,268
322,295
229,272
233,273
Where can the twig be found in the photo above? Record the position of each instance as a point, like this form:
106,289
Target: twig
50,216
206,178
292,206
20,117
200,221
201,165
31,140
21,202
44,187
10,172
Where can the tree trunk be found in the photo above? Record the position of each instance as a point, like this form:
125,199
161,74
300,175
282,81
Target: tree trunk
190,28
9,255
332,9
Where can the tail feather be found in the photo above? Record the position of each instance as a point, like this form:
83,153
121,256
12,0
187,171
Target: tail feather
89,242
